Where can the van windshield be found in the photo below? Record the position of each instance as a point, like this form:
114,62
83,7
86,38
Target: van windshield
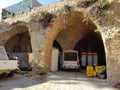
70,56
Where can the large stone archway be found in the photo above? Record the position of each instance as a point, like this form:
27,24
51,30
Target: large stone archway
17,43
20,42
76,29
42,38
14,29
16,35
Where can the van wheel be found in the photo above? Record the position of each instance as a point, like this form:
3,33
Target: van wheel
11,74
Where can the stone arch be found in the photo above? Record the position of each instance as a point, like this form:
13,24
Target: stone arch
14,32
19,42
93,43
84,25
57,45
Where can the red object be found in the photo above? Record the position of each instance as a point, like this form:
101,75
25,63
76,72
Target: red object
95,53
84,53
90,53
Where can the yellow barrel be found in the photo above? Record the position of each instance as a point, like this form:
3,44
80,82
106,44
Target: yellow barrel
94,74
99,67
92,69
96,68
89,73
104,67
88,68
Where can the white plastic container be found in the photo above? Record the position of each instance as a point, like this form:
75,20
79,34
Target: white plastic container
83,59
90,59
95,59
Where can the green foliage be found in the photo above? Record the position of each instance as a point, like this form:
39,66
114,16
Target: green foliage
105,4
45,18
85,3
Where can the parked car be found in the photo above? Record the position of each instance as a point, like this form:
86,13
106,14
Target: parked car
7,67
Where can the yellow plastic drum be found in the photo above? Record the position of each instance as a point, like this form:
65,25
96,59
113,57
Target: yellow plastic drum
96,68
94,74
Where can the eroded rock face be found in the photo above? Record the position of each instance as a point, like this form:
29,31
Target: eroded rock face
105,20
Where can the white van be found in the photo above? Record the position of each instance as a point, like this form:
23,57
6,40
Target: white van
70,59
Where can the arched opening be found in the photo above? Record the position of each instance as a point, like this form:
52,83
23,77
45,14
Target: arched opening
18,44
74,32
92,43
58,46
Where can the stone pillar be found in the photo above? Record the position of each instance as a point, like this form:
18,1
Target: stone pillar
41,49
113,59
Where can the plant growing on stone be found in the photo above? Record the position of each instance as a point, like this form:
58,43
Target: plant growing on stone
85,3
45,18
105,4
68,8
100,7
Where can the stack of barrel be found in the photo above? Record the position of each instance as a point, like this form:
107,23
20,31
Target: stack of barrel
92,71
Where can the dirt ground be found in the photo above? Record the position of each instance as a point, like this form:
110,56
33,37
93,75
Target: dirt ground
55,81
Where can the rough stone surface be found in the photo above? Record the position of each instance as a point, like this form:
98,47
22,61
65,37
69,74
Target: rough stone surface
106,20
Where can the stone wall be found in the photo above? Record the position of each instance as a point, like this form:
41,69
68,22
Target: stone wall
113,58
110,27
107,22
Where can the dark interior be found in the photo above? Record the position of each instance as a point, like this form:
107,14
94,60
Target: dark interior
92,43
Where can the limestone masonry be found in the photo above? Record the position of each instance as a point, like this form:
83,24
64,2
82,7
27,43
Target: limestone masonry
67,22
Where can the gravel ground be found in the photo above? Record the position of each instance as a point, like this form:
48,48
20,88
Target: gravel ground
55,81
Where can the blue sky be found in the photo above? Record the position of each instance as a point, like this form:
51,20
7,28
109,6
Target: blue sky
5,3
47,1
